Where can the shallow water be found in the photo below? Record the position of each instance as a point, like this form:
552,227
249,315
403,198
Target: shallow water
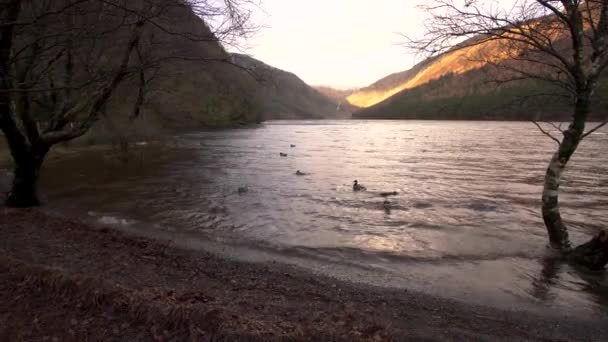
465,222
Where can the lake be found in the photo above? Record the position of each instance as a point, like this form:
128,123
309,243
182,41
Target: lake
465,223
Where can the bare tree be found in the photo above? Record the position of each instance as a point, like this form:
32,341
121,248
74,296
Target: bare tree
563,43
61,61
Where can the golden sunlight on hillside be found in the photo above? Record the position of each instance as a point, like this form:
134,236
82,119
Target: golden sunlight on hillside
457,62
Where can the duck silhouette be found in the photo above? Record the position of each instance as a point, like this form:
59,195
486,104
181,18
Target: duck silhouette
300,173
358,187
283,154
387,206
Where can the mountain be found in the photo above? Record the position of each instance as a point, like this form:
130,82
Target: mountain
386,87
459,84
284,95
196,90
207,88
338,96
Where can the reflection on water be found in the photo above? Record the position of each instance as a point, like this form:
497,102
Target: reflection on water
465,222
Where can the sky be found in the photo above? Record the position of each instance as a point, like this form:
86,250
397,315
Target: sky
339,43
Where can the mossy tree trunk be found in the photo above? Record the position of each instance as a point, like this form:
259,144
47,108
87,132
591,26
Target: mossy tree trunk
594,253
24,191
566,48
69,118
558,233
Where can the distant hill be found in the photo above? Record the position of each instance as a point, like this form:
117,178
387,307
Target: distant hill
386,87
338,96
333,93
285,96
187,93
210,88
459,85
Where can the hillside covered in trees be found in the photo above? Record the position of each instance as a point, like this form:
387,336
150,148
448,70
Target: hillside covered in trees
283,95
192,81
468,83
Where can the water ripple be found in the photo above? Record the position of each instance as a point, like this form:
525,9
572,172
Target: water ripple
468,194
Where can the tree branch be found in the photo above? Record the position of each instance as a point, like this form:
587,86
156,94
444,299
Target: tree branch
594,129
545,132
16,140
141,91
101,100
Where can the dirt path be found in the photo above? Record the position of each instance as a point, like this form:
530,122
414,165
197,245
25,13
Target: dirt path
62,280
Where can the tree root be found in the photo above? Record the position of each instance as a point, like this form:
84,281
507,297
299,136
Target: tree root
592,254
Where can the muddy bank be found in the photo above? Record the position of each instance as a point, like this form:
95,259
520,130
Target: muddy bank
64,280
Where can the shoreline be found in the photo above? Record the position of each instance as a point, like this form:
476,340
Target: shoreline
67,280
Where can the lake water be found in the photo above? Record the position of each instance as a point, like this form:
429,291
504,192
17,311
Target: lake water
465,223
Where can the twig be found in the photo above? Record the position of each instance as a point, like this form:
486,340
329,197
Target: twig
595,129
559,128
546,133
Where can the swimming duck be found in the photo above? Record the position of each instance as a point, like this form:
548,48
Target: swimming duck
283,154
300,173
292,145
358,187
243,189
387,206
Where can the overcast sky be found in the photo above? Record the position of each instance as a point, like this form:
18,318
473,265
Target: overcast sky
341,43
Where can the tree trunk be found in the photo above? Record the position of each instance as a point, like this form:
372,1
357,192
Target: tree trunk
24,192
558,232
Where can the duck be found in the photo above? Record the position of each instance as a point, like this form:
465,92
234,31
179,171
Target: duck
243,189
300,173
389,193
283,154
387,206
292,145
358,187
